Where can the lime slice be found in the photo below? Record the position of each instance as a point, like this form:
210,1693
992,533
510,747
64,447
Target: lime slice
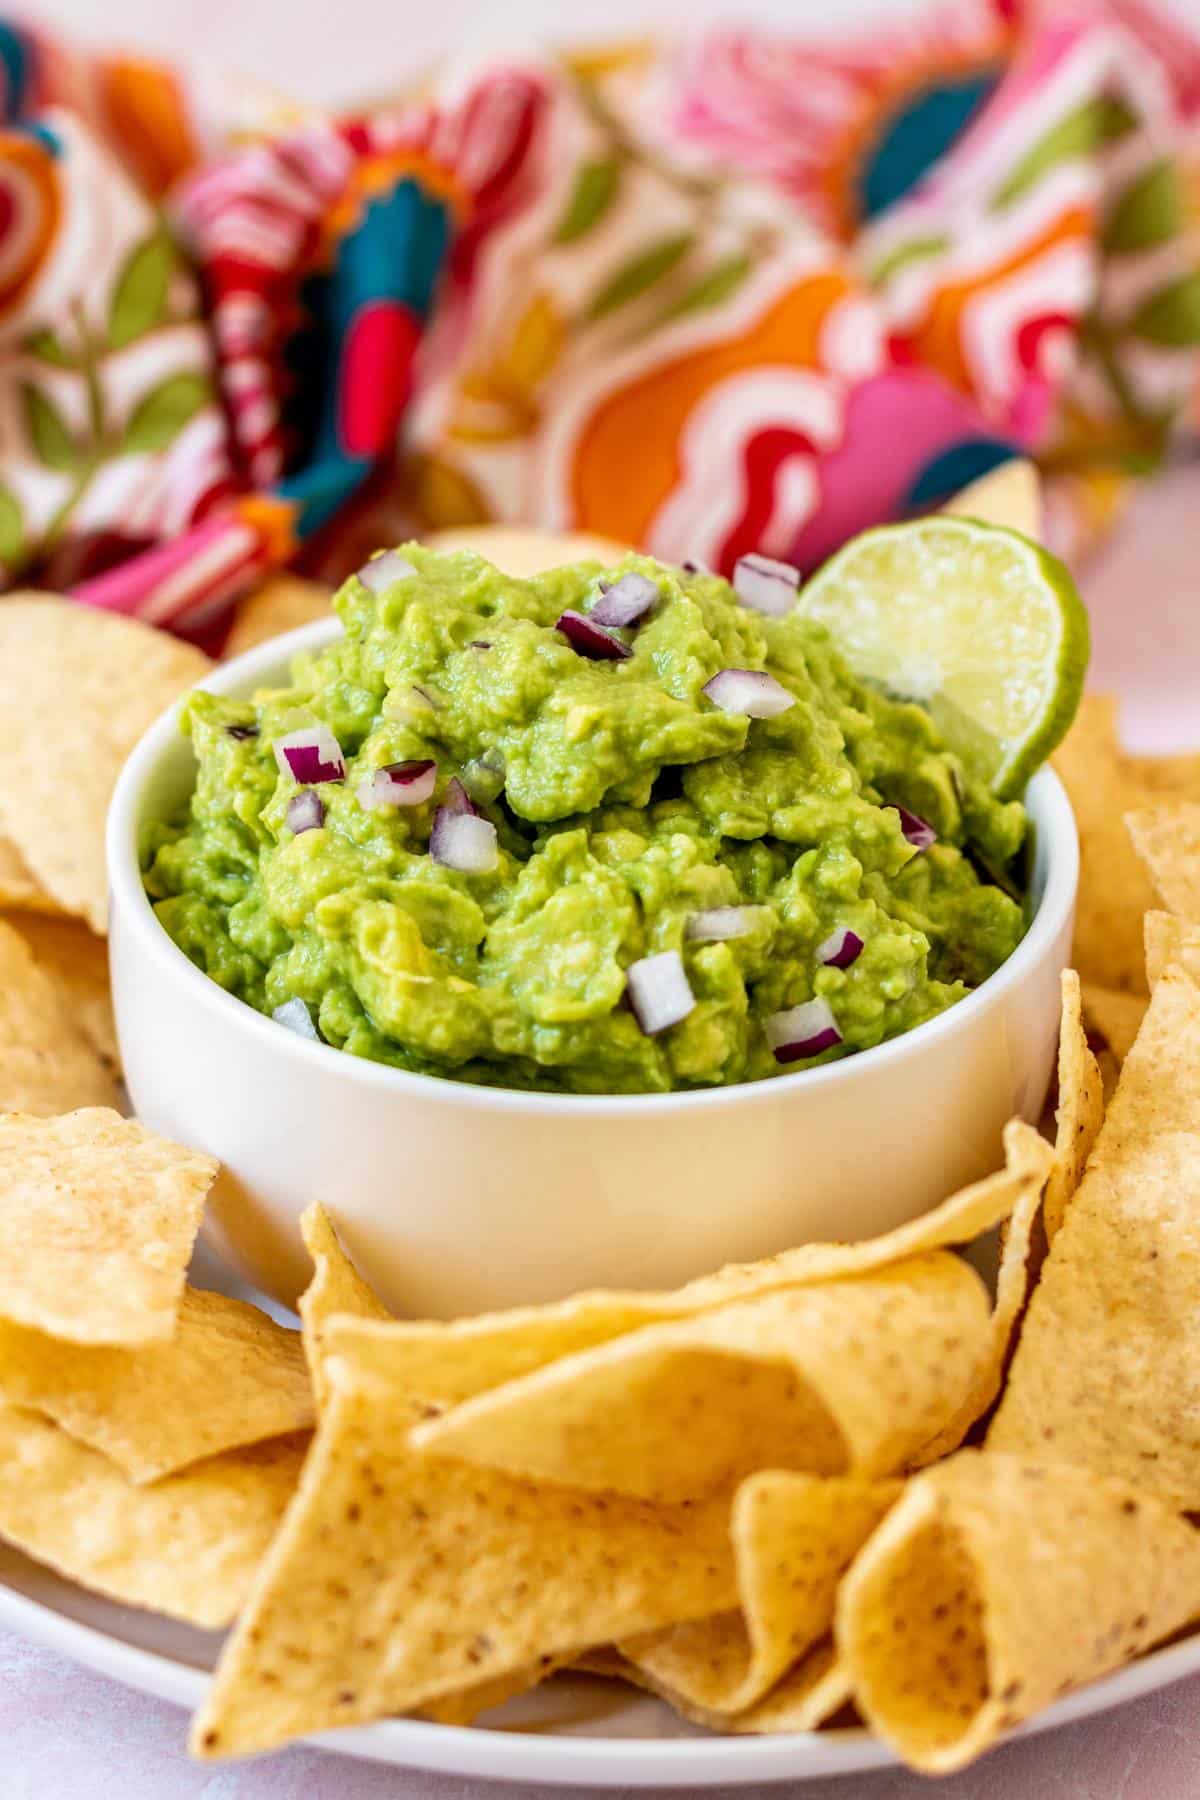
976,622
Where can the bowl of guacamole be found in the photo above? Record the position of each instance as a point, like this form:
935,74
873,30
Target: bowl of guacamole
625,830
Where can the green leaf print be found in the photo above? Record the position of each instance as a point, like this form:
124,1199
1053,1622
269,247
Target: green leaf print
48,433
595,189
1149,212
640,273
1172,316
715,285
1082,131
161,414
139,300
47,348
12,531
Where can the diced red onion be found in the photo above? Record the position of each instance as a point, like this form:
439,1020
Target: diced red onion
841,948
918,831
626,600
456,798
766,585
483,776
591,640
802,1031
311,754
399,784
659,991
295,1016
463,841
382,571
749,692
239,733
718,924
305,812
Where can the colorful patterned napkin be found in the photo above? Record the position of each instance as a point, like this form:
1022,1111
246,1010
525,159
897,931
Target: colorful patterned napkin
748,291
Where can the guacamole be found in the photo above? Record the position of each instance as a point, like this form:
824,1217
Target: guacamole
484,835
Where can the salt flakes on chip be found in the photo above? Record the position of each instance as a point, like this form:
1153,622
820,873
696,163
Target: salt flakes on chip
78,687
97,1222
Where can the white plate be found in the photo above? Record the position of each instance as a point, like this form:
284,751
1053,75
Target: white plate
576,1731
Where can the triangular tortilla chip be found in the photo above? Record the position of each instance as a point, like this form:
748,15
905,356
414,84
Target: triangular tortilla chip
1010,495
794,1537
46,1065
848,1377
1107,1372
78,687
282,603
398,1578
187,1546
336,1289
76,960
97,1222
229,1376
995,1586
1080,1107
1167,838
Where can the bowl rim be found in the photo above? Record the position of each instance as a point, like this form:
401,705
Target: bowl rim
1046,798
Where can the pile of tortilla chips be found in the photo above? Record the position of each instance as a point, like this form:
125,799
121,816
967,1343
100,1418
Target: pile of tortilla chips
851,1482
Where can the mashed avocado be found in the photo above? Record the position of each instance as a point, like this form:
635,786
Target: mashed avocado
617,814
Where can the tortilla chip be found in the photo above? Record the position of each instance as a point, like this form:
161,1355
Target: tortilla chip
1010,495
78,687
282,603
803,1700
97,1222
1113,1018
994,1587
398,1578
1080,1107
18,886
1167,838
187,1546
1170,939
794,1537
1107,1373
46,1065
1105,782
76,960
229,1376
524,550
336,1288
847,1377
1012,1290
499,1347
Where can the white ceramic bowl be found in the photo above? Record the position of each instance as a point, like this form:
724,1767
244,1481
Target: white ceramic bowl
456,1199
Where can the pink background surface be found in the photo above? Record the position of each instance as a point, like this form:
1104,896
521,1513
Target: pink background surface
67,1735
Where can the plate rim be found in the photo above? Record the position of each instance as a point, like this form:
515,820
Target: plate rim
511,1755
